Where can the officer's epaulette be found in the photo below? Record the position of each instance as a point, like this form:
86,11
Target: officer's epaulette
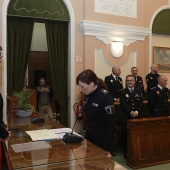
104,91
153,88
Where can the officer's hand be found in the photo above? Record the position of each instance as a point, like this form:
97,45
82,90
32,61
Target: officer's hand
117,100
134,114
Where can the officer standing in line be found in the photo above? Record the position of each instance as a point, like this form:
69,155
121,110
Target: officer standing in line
138,79
131,102
158,98
152,77
99,110
114,83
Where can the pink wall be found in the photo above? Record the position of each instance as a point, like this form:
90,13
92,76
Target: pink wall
85,45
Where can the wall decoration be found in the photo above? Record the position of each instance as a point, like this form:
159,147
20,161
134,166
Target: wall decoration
161,57
117,7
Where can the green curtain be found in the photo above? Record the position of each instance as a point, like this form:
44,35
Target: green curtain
19,37
44,9
57,41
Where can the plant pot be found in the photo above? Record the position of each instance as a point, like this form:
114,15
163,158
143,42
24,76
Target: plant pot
23,113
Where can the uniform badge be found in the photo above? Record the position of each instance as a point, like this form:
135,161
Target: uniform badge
151,78
110,109
104,91
127,95
158,92
111,81
95,104
136,95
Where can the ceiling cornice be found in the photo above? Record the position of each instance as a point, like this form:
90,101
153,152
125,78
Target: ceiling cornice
108,33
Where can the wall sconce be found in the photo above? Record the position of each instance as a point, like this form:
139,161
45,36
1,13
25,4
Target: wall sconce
117,48
1,52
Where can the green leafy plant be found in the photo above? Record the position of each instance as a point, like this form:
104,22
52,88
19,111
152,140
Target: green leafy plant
23,100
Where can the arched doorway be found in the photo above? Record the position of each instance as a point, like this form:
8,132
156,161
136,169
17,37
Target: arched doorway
71,57
160,38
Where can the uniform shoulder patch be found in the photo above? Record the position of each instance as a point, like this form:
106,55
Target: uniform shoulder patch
104,91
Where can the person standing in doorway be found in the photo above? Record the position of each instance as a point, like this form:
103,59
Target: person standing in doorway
44,97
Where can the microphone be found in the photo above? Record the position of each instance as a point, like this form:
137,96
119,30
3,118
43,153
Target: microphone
37,120
70,137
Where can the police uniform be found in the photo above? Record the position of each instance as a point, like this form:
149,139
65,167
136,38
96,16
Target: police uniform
151,81
114,86
100,123
139,83
129,102
158,101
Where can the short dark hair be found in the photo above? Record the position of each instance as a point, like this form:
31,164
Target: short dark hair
130,75
87,76
133,67
41,78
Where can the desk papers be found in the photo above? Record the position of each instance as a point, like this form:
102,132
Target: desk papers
49,134
30,146
44,134
61,132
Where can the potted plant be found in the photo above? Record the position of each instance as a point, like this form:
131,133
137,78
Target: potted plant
23,108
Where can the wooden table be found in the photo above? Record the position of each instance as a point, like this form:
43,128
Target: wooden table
60,156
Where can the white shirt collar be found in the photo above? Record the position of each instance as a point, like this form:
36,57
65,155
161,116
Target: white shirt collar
160,87
131,89
114,76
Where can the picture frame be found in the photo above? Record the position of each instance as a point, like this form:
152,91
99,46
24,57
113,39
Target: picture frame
161,57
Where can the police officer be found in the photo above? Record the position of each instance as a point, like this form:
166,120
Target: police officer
158,98
152,77
99,111
138,79
131,102
114,83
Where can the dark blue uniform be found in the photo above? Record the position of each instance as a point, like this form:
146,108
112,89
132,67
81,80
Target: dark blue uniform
114,86
99,111
139,83
129,102
151,81
158,101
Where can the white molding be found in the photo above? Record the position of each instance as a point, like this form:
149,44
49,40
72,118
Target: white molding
108,33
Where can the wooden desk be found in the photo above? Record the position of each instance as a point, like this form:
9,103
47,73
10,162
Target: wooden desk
84,155
148,141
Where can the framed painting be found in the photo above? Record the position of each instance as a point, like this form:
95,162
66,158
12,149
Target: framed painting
161,57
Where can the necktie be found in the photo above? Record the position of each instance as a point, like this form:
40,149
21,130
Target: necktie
131,91
116,78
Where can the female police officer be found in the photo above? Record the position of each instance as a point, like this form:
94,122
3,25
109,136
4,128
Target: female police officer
99,111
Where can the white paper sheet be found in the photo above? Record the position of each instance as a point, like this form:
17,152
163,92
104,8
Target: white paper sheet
30,146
